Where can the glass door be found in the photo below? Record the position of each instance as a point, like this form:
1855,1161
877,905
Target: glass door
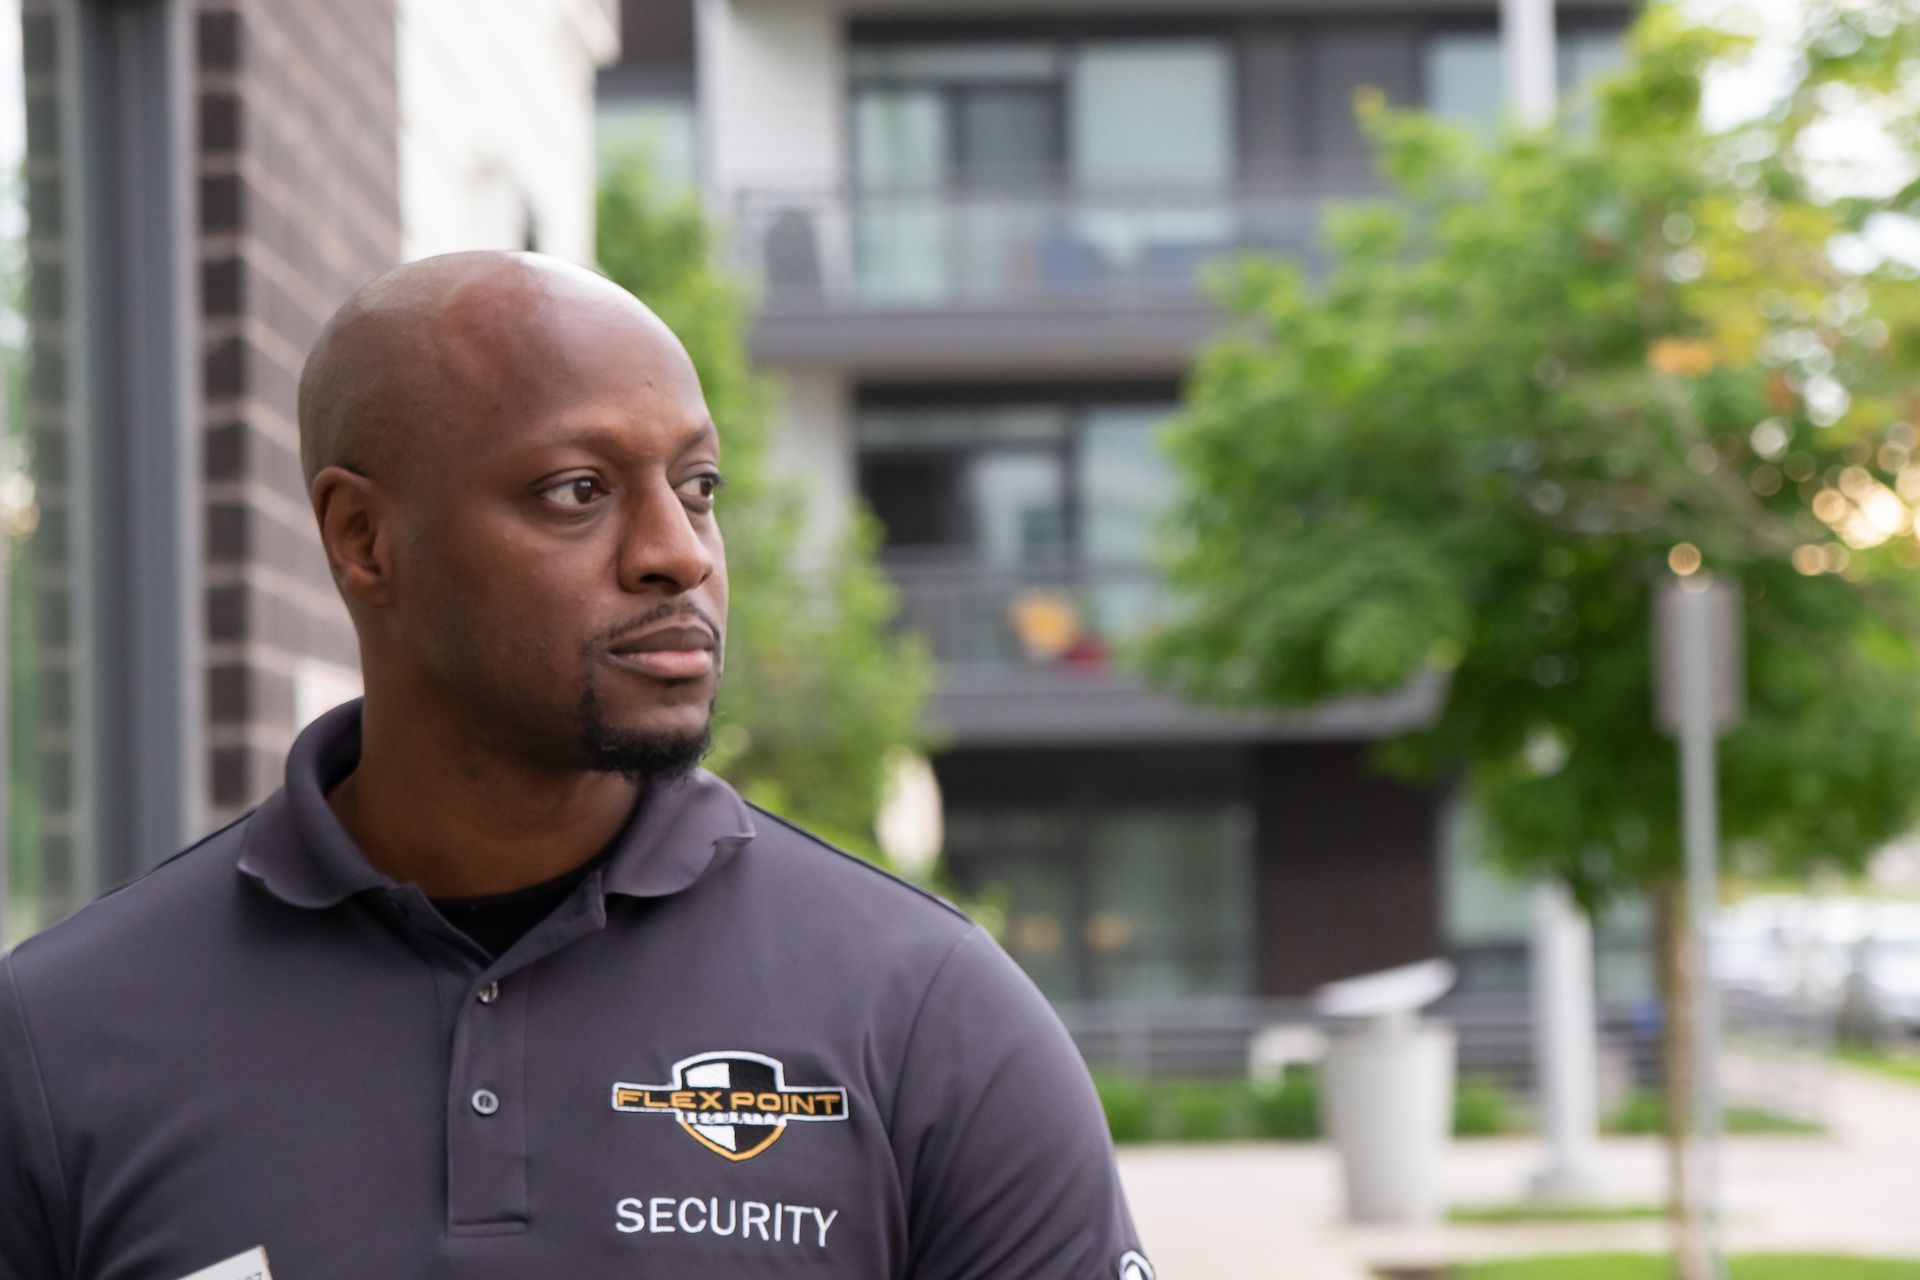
1122,487
900,153
1170,904
1152,152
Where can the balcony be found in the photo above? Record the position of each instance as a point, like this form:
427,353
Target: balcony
943,277
1036,653
985,623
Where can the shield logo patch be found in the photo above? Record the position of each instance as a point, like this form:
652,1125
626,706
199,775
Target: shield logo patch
734,1103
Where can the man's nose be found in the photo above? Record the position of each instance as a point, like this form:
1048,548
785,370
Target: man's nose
662,548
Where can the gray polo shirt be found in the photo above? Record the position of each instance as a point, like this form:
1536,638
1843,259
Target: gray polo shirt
733,1052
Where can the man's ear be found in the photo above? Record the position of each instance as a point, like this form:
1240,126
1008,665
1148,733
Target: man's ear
357,534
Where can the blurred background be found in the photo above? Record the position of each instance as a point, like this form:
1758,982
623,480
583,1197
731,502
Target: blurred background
1202,477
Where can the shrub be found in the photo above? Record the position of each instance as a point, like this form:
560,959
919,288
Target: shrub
1289,1110
1481,1109
1142,1110
1209,1111
1128,1101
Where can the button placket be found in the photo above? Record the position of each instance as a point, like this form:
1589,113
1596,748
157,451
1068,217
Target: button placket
487,1110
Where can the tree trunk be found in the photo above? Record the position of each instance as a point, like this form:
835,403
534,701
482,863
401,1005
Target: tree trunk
1679,989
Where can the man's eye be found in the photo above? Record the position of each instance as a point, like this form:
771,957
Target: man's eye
703,487
576,493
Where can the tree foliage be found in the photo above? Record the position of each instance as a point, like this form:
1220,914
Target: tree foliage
1519,388
818,687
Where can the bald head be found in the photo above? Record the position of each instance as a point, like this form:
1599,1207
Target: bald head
457,337
514,470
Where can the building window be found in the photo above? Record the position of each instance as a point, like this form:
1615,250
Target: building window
984,169
1011,482
1035,112
970,114
662,131
988,483
1465,73
1020,533
1122,903
1466,79
1153,112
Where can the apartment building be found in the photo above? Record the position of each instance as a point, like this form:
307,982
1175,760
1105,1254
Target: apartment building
978,229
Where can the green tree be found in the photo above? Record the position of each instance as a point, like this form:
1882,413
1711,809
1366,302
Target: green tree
1543,375
819,687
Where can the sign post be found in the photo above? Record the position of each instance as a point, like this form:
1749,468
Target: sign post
1701,679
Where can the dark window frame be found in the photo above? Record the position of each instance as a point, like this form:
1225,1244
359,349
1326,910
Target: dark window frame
951,93
1075,403
1065,33
1085,786
1062,40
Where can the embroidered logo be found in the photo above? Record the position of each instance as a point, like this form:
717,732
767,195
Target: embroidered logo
735,1104
1134,1266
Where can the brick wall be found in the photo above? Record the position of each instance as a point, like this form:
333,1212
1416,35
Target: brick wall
299,206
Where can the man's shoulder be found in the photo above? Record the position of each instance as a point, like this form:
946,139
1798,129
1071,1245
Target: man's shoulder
175,904
831,893
905,946
814,856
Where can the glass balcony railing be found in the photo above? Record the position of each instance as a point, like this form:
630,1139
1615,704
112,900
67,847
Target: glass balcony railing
908,248
985,620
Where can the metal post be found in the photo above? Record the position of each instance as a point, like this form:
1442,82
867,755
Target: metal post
1694,624
1701,694
137,247
11,83
6,722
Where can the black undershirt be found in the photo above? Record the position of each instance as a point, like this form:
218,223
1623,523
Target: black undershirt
499,920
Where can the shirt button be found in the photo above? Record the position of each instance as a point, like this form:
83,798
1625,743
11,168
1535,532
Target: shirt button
485,1101
490,993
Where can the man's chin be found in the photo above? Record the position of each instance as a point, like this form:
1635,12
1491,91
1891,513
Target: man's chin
647,742
649,755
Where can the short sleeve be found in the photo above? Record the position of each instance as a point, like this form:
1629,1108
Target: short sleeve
26,1146
1004,1148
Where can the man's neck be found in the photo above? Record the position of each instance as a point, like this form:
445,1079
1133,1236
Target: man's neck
473,825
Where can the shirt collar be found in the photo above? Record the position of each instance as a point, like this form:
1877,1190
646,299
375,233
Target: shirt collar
297,849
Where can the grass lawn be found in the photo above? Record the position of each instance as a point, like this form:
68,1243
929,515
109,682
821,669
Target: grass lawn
1642,1266
1901,1066
1482,1214
1645,1112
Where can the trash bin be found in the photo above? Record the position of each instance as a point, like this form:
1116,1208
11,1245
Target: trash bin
1387,1092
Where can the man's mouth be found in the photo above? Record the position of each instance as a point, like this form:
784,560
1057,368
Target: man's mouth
681,651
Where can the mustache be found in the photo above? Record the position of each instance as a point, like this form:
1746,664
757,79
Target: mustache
658,614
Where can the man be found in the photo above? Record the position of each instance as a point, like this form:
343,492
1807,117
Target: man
498,985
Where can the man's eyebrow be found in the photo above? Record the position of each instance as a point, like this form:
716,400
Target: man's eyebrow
611,438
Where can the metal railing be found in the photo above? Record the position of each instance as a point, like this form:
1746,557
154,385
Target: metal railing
1041,615
1777,1055
901,248
1215,1037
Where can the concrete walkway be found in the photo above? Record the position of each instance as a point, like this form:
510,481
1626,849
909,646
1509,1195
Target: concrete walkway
1238,1212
